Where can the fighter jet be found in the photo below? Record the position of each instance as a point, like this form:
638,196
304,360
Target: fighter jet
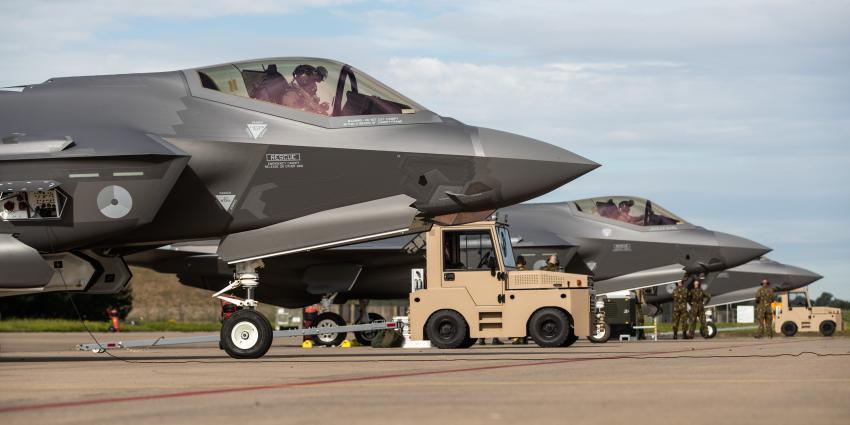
740,283
643,245
279,155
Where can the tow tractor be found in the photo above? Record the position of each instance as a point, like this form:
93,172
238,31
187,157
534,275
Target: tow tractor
470,289
794,312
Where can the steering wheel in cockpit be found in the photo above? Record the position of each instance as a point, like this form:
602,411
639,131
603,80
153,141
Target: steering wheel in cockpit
484,259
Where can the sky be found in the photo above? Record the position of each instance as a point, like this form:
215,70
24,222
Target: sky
734,115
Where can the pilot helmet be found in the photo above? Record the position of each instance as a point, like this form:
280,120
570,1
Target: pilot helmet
318,74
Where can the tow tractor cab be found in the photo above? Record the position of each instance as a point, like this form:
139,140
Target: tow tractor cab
473,290
794,312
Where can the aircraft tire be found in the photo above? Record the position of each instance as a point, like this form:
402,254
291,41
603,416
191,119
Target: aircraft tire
710,331
599,339
789,329
827,328
246,334
366,337
328,319
550,327
447,329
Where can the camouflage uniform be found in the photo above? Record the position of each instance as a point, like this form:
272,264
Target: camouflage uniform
550,267
680,310
764,314
698,298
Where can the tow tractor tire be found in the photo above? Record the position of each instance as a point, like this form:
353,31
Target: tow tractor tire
366,337
601,338
827,328
570,340
447,329
550,327
468,342
246,334
710,331
789,329
326,320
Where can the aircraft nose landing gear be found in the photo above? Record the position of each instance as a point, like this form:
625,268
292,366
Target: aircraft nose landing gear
246,334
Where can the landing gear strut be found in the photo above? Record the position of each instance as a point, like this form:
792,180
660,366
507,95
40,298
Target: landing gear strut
328,319
246,334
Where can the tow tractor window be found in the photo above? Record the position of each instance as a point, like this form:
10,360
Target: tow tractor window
505,246
797,299
310,85
467,250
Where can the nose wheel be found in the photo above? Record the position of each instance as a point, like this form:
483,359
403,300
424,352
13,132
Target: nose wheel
246,334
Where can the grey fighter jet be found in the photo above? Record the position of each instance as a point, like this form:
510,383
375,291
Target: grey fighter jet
278,155
740,283
587,238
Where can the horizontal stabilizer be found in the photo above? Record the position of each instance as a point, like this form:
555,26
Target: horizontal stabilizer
382,218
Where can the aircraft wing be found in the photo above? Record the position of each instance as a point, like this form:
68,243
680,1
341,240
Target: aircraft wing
658,276
378,219
738,296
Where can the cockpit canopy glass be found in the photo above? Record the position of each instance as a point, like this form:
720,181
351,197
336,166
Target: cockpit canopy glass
311,85
636,211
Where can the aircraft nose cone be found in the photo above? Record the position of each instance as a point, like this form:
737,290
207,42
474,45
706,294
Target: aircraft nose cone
800,277
737,250
525,168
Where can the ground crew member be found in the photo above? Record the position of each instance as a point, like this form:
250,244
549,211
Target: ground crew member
520,263
698,298
680,310
764,313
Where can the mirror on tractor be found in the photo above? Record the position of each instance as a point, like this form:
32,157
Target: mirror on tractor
491,262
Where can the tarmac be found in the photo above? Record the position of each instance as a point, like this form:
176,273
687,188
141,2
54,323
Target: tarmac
802,380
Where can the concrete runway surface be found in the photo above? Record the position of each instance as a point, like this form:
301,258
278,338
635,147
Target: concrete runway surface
721,381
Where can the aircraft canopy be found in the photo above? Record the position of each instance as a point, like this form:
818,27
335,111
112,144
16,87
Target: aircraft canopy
317,86
628,209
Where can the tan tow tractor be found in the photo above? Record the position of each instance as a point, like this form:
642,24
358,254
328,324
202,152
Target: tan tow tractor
472,290
795,313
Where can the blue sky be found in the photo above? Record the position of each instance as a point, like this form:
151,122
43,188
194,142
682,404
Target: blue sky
735,115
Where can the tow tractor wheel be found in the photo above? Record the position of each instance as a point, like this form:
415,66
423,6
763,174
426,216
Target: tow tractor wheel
600,337
366,337
246,334
447,329
550,327
468,342
827,328
789,328
710,331
326,320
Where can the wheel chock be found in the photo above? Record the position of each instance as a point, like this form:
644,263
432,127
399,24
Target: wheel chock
345,344
307,344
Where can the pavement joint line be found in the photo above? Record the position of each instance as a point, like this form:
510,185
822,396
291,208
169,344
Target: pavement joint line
366,378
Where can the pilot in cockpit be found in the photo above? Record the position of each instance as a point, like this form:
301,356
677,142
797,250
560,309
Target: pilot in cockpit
624,208
303,89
